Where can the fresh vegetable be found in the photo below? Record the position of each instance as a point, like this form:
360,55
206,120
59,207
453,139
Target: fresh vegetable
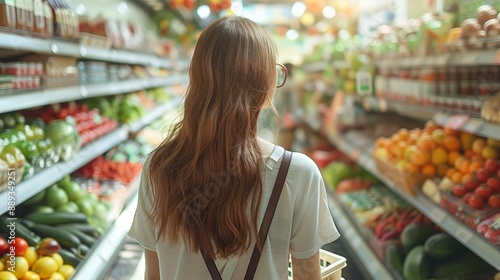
20,246
84,238
3,246
466,264
62,236
57,218
416,265
48,246
65,136
83,227
415,235
441,246
69,257
394,256
21,231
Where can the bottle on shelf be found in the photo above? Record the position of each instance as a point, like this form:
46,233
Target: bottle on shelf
8,14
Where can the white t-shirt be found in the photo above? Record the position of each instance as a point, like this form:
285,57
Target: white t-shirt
302,224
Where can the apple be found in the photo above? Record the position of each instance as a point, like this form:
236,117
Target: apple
482,175
492,166
494,183
471,184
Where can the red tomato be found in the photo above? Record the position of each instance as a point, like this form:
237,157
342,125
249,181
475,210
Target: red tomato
476,201
483,191
494,201
21,246
3,246
459,190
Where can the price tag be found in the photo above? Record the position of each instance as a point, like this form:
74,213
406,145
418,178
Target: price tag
474,125
464,235
457,121
441,119
469,58
438,215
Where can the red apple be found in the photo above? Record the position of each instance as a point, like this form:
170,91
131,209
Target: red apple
494,183
471,184
482,175
483,191
492,166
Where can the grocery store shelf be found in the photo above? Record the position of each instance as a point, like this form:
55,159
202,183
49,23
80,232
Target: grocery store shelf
20,43
357,245
468,124
469,58
156,113
51,175
103,253
358,147
27,100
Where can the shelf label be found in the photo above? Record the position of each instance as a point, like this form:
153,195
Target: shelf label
441,119
473,125
464,235
456,121
438,215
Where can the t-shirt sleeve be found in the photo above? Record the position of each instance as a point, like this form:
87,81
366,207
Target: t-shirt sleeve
142,229
313,225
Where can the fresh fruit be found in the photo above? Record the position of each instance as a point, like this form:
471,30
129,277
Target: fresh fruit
452,156
30,275
459,190
7,275
483,191
55,197
438,136
48,246
20,245
442,246
415,234
490,152
494,183
66,270
416,265
482,175
4,247
31,255
73,190
451,143
56,276
478,145
492,166
439,156
63,135
471,185
45,266
476,201
63,237
493,142
425,143
494,201
44,209
466,140
85,206
19,266
58,259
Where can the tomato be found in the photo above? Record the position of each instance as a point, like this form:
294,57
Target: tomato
494,201
476,201
3,246
21,246
459,190
483,191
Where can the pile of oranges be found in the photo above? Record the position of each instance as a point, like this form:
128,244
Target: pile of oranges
435,151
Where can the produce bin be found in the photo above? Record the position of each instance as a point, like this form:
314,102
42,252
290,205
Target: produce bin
331,266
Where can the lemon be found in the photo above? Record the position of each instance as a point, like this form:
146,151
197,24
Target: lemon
58,259
45,266
67,270
31,256
56,276
30,275
7,275
20,266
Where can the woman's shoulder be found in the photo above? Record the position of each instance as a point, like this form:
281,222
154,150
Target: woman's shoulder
303,165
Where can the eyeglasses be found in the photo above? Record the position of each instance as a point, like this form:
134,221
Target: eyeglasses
281,74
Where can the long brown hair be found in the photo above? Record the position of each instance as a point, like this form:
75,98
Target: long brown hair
206,176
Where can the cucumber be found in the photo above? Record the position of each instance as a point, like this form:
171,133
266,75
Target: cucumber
85,228
57,218
416,265
394,256
84,238
21,231
69,257
62,236
83,249
442,246
415,235
467,264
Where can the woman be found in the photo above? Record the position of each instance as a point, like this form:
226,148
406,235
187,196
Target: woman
206,187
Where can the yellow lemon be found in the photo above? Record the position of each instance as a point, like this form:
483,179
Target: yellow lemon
58,259
67,270
45,266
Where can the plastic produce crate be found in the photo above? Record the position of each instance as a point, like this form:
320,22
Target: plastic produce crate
331,266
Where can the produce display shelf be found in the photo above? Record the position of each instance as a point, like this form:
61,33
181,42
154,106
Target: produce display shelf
356,244
155,114
51,175
468,58
20,43
468,124
102,254
467,236
14,102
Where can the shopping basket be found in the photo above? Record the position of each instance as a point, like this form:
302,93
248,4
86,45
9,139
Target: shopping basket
331,266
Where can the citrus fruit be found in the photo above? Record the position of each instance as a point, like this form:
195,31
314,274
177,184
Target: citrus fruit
429,170
490,152
31,256
73,190
425,143
56,276
442,169
45,266
458,161
451,143
438,136
86,206
475,165
465,167
450,172
419,158
7,275
456,177
66,270
20,266
452,156
478,145
58,259
2,266
55,197
30,275
439,156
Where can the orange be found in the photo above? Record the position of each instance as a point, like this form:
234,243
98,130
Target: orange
429,170
403,134
475,165
450,172
456,177
425,143
430,126
451,143
420,158
396,138
442,169
380,142
439,156
466,178
399,149
458,161
478,145
477,157
469,153
438,136
465,167
412,139
450,131
452,156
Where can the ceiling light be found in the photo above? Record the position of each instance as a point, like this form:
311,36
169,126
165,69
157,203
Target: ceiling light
298,9
203,11
329,12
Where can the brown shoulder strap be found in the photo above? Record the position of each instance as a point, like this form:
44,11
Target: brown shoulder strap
266,223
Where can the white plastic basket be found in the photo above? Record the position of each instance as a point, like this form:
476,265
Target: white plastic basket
331,266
